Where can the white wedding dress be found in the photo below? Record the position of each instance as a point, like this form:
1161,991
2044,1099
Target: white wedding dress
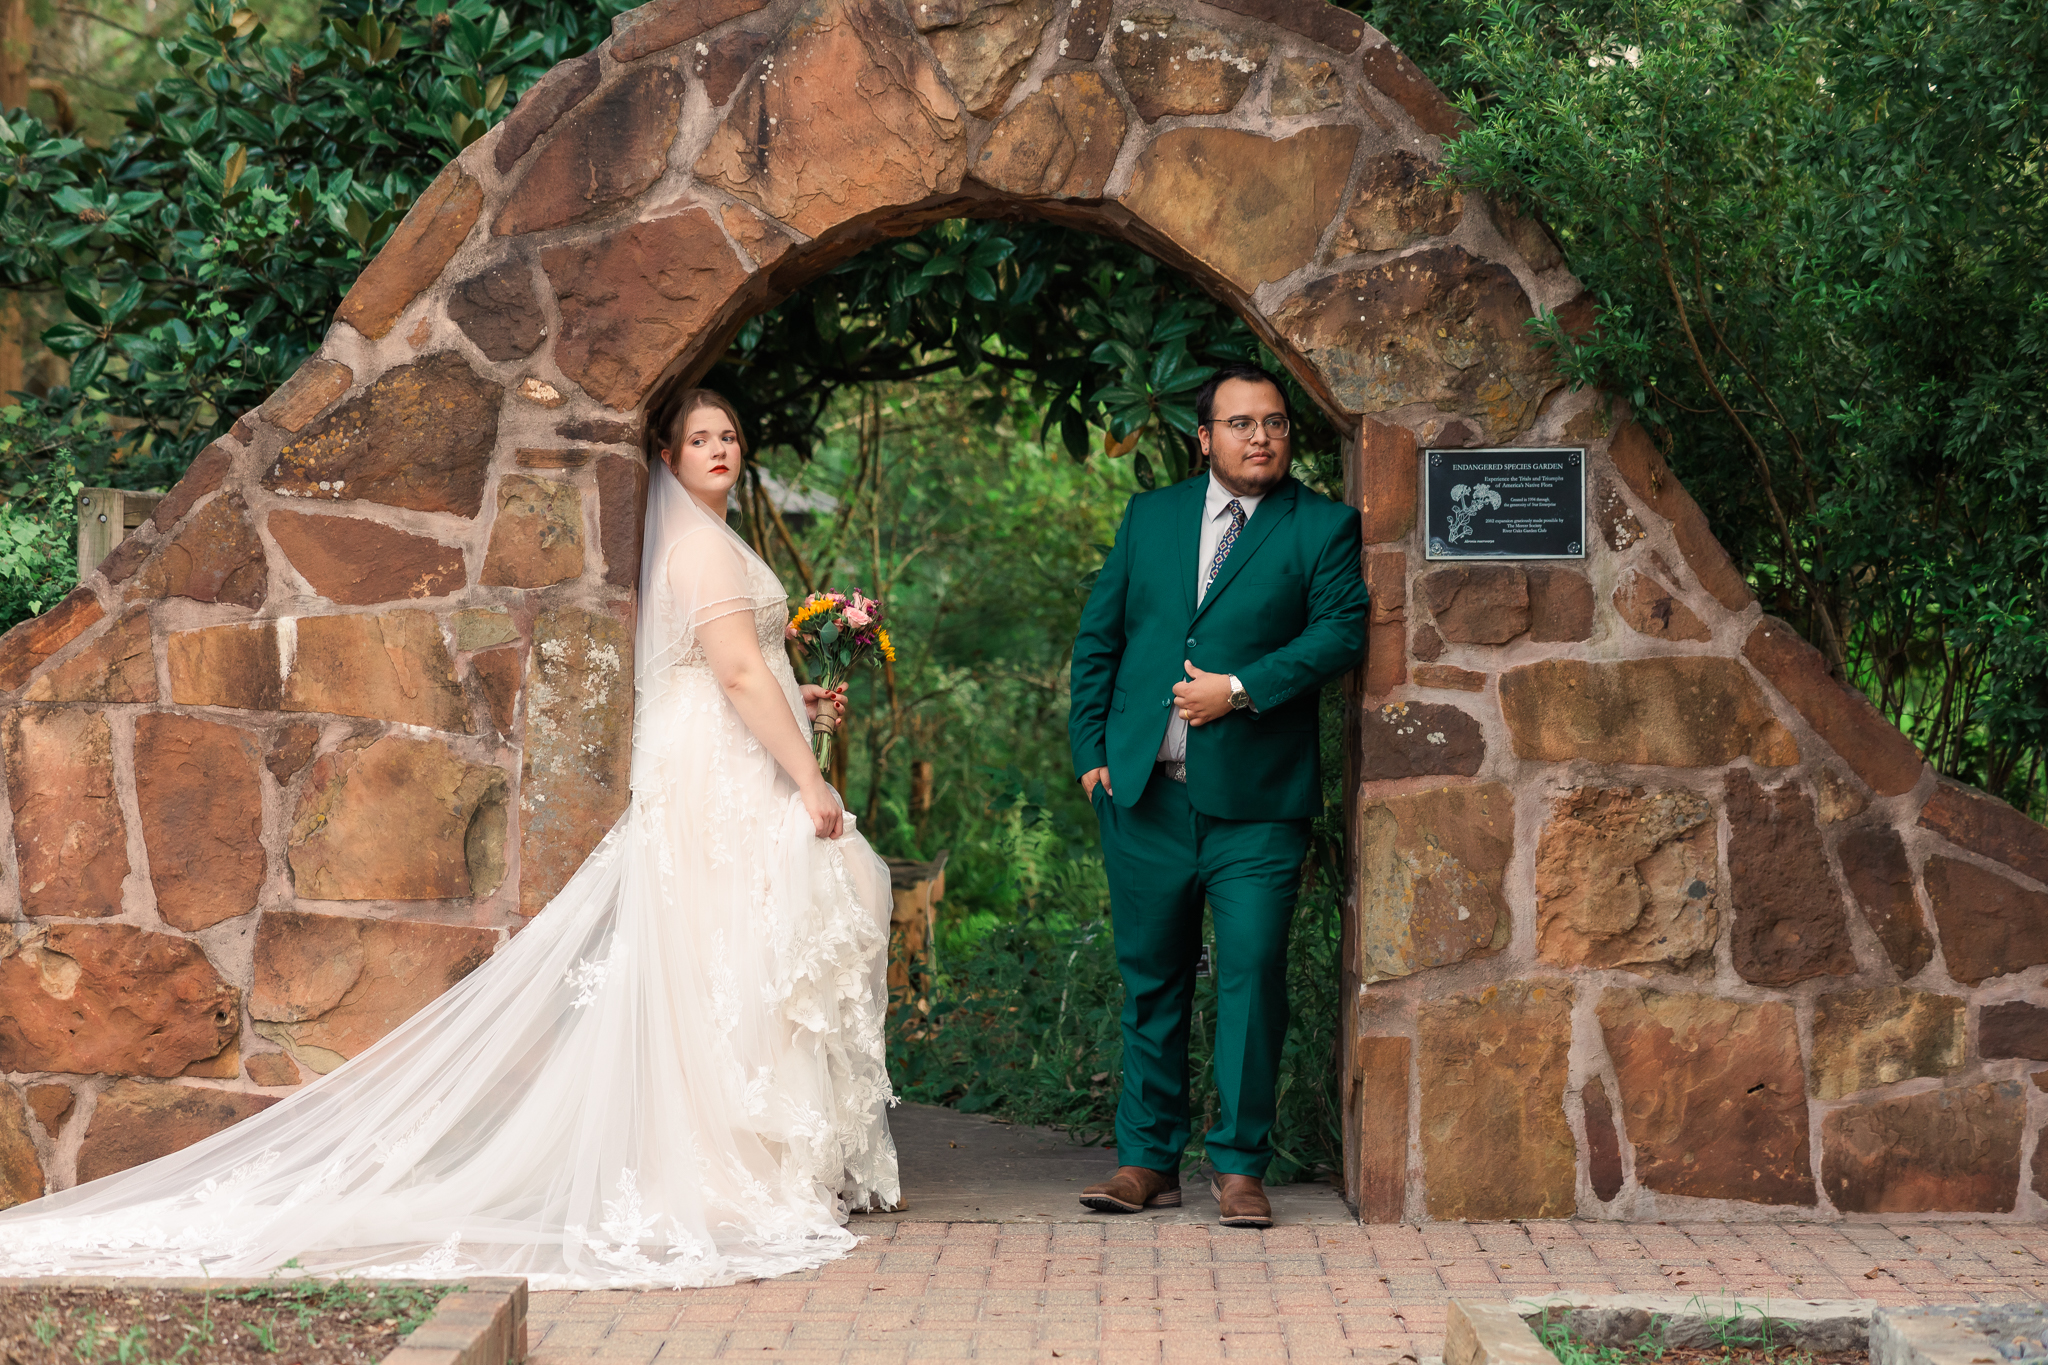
672,1076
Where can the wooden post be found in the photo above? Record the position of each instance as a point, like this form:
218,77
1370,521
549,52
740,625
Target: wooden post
105,517
917,888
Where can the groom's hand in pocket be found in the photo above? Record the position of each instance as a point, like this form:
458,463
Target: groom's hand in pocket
1093,776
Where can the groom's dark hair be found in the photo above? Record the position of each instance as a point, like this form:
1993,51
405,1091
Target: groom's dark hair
1205,397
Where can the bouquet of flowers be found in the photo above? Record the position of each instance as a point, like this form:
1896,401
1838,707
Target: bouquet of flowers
839,630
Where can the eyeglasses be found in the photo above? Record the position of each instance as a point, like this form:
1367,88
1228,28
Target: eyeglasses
1277,426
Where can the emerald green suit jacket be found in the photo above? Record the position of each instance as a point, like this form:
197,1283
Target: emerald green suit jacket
1286,614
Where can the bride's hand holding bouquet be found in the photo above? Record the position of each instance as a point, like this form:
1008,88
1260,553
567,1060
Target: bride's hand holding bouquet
839,631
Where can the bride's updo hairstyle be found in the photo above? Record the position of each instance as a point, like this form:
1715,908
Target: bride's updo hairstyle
677,411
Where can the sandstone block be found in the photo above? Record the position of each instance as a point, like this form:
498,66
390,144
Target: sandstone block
424,242
1530,239
1791,922
621,495
328,986
634,298
1652,609
1989,925
1431,867
226,1065
235,665
21,1170
552,96
1427,643
603,152
453,814
1853,728
1418,739
1614,518
599,429
70,842
215,558
1387,473
1560,605
1284,192
1337,29
1480,604
1949,1151
313,387
119,666
1437,326
1401,81
498,673
579,716
1874,864
1059,142
499,311
110,997
1626,878
359,562
721,64
419,437
291,749
1603,1144
25,648
136,1122
1171,65
483,628
856,120
1713,1095
661,25
1381,1093
983,45
1386,584
1301,86
1396,206
273,1069
387,666
1640,465
537,537
51,1104
204,474
1444,677
761,241
1875,1036
1495,1142
1694,712
1087,26
1386,668
202,817
1987,826
2012,1029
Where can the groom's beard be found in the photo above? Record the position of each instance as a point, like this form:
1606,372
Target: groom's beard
1250,478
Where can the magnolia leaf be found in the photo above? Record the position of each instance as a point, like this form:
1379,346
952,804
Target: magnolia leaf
231,169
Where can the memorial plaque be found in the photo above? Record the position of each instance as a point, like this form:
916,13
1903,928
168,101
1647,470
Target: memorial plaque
1523,503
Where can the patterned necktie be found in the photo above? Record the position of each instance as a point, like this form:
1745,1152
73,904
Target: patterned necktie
1236,510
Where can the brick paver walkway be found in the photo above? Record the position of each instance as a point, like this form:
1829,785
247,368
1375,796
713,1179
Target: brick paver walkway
1110,1291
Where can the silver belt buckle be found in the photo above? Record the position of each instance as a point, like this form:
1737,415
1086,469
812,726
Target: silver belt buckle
1177,771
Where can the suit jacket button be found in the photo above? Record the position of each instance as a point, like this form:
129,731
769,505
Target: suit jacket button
1191,642
1166,701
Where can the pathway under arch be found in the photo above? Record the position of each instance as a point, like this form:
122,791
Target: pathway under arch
1646,910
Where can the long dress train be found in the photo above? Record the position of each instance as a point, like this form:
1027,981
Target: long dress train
672,1076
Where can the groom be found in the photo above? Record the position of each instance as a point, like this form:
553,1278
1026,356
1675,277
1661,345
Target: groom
1225,604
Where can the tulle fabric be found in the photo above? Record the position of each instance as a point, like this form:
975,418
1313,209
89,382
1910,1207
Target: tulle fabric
673,1076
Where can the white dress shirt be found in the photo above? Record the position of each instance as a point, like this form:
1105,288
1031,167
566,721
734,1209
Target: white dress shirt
1215,521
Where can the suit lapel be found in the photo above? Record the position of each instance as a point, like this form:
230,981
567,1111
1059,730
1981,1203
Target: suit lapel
1271,511
1188,535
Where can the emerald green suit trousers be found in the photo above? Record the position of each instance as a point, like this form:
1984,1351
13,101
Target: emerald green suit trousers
1286,613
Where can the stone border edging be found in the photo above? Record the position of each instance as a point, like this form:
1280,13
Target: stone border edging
483,1325
1490,1334
1499,1333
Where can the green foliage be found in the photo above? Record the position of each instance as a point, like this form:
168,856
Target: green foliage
1819,236
201,253
39,519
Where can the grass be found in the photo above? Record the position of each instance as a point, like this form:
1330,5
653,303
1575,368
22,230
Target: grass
301,1321
1747,1335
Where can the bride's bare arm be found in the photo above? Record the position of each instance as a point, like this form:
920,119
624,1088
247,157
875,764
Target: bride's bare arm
735,657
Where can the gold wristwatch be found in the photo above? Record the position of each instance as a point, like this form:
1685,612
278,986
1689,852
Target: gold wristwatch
1239,698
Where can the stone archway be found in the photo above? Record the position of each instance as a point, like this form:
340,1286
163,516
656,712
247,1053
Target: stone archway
1638,889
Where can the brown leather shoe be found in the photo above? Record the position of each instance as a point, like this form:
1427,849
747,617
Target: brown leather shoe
1134,1188
1241,1199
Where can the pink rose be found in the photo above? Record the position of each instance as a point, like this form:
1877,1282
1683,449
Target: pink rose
857,618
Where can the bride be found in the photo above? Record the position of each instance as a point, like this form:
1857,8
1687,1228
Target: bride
673,1076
